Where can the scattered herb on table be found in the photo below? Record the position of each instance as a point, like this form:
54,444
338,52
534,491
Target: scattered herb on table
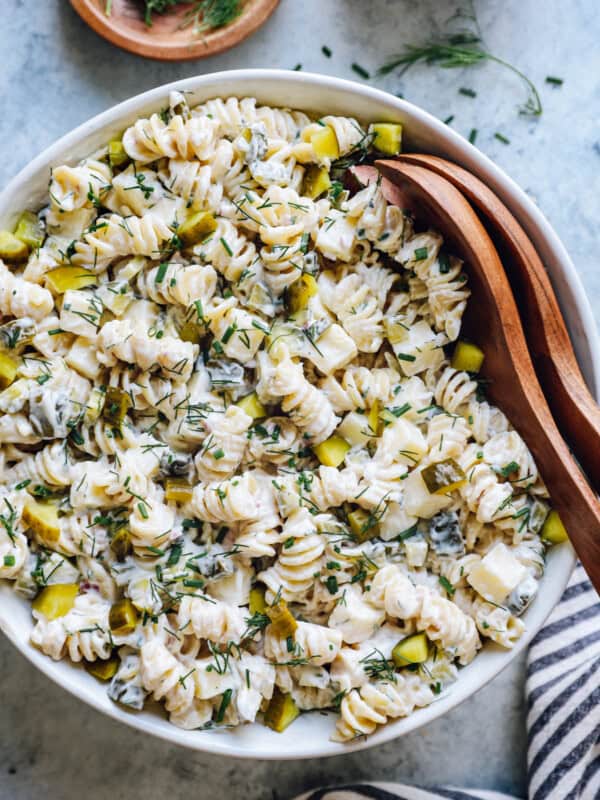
457,50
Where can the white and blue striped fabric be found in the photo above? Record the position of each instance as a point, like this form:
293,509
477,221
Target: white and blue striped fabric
563,720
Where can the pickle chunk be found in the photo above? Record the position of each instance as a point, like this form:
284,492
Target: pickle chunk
281,711
196,228
443,477
332,451
29,230
316,182
363,525
412,650
42,519
116,406
121,544
122,617
178,490
116,153
61,279
11,248
103,670
8,370
258,604
467,357
300,292
282,620
57,600
252,406
387,137
325,143
553,530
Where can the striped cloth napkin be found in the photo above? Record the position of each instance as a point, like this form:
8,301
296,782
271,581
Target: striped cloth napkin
563,721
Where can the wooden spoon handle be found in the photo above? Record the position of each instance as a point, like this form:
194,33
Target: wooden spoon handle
495,321
575,410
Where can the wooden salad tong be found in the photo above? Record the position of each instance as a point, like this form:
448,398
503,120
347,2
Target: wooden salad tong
492,321
576,412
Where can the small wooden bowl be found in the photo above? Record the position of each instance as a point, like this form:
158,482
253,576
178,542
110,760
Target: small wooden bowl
166,40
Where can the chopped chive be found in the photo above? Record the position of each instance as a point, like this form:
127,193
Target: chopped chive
467,92
23,484
501,138
41,379
326,51
192,583
218,454
473,135
405,357
555,81
298,67
55,331
360,71
421,253
226,246
447,585
161,272
332,584
444,263
225,701
228,334
143,511
9,561
449,119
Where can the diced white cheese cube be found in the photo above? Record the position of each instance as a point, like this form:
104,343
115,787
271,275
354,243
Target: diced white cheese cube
354,428
81,313
420,350
395,521
497,574
332,351
416,551
335,239
418,501
82,357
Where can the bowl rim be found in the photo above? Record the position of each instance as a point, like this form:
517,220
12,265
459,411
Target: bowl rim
482,165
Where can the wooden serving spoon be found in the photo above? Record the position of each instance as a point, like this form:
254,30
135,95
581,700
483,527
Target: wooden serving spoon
575,410
492,321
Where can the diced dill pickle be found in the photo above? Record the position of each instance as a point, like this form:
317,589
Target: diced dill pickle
553,530
57,600
300,292
387,137
373,420
281,711
29,230
196,228
395,331
252,406
443,477
122,617
363,525
8,370
316,181
258,604
42,519
61,279
11,248
412,650
325,143
116,153
121,544
116,405
178,490
282,619
190,332
467,357
332,451
103,670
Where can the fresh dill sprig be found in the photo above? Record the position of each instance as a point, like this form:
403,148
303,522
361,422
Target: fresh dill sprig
456,51
158,7
209,14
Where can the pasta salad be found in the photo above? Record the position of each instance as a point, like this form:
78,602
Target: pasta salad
248,468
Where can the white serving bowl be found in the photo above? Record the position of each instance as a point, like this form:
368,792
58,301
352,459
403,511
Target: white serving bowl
309,736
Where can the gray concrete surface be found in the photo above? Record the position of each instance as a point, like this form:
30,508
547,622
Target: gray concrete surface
54,74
